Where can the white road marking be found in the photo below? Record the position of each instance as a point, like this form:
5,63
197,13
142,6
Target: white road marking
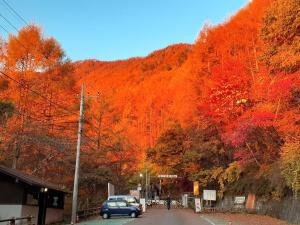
208,220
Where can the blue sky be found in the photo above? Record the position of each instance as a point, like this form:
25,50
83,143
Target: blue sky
119,29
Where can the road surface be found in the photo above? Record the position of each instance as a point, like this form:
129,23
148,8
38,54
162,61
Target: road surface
186,217
160,217
174,217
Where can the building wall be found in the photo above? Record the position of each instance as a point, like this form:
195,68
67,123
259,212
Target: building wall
11,191
8,211
52,215
28,210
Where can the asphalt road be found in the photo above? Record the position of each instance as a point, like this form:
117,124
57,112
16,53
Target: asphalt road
161,216
174,217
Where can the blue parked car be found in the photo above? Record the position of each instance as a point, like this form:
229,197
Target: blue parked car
118,208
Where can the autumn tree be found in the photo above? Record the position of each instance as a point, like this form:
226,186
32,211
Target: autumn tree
281,34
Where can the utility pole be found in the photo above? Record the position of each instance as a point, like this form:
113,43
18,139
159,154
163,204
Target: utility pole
146,188
76,177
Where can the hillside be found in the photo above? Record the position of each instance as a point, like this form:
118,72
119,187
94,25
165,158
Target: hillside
143,90
223,111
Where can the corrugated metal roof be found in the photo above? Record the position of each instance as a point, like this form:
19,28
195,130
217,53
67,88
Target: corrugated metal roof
28,179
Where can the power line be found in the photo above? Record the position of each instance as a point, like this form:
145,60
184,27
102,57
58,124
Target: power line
7,20
3,28
15,12
15,39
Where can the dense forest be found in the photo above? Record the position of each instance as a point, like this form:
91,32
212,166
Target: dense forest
223,110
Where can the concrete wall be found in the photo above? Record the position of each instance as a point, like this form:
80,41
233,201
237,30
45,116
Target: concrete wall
8,211
286,209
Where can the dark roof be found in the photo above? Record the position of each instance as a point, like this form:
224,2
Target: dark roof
28,179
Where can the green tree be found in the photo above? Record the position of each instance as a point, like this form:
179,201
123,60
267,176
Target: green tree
290,159
168,152
6,110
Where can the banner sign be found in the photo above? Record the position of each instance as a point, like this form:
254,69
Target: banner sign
210,195
196,188
197,205
167,176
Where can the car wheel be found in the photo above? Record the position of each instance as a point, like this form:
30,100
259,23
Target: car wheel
105,216
133,215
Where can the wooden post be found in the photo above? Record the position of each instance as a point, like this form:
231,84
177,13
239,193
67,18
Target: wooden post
29,218
12,221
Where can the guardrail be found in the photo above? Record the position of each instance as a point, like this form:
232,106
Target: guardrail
12,221
84,213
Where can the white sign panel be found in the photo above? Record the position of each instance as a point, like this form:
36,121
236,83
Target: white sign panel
197,205
210,195
135,193
185,201
240,200
143,203
110,189
167,176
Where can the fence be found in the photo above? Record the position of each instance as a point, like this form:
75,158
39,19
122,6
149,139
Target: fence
286,209
12,221
84,213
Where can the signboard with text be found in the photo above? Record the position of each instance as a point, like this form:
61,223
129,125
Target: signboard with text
239,200
210,195
167,176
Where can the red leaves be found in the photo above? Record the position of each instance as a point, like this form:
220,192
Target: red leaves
236,133
281,88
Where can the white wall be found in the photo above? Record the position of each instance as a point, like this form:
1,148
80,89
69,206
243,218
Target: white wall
8,211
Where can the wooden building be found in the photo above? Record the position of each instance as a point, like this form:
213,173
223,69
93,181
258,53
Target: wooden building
23,195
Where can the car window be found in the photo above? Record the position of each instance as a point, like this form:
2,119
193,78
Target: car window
120,198
112,204
121,204
131,200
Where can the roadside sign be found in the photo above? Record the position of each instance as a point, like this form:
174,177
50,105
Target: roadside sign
197,205
196,188
139,188
167,176
185,200
210,195
239,200
135,193
143,203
